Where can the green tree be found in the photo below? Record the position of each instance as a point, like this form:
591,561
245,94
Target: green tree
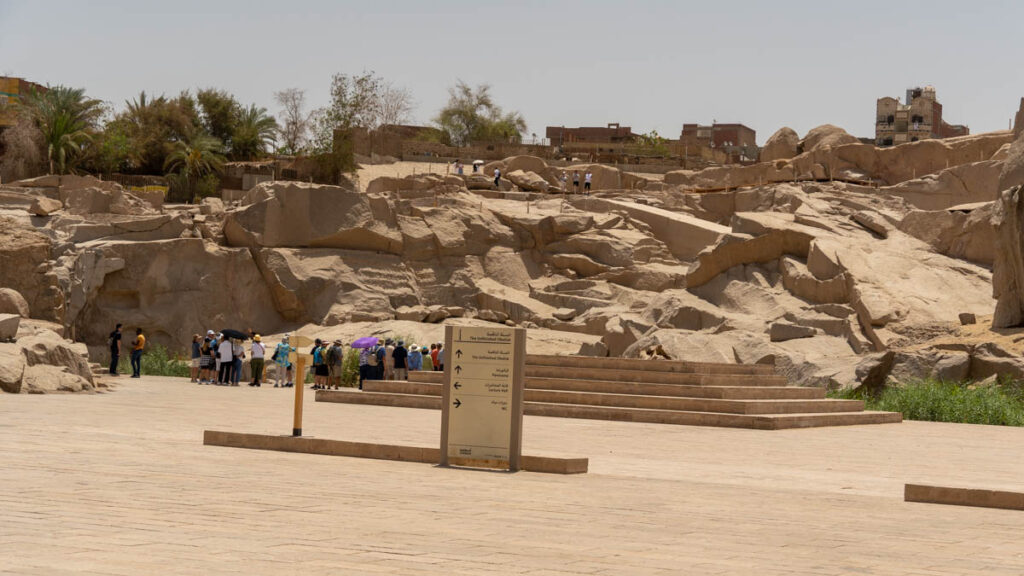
67,120
652,144
472,115
153,126
254,132
195,158
355,103
220,113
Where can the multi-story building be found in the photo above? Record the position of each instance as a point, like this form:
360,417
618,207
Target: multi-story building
919,117
613,133
11,91
739,142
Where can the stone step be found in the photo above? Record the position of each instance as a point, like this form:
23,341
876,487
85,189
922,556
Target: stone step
654,377
678,403
692,418
630,376
682,404
606,387
760,422
647,365
684,390
426,376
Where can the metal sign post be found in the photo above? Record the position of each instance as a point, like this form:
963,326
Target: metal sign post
482,399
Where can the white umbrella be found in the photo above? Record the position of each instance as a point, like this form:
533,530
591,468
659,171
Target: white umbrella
478,162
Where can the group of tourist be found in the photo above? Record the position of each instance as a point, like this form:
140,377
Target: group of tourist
391,360
218,359
588,178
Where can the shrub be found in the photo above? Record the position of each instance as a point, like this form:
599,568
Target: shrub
157,361
938,401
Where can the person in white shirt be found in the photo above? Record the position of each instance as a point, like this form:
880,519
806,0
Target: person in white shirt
256,363
226,355
586,183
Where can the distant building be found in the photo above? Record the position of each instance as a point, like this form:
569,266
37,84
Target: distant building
613,133
739,142
593,143
12,90
918,118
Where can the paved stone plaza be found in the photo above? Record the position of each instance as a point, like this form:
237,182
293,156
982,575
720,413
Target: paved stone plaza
120,483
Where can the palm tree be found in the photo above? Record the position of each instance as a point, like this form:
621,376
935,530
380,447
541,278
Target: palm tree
67,120
254,132
194,158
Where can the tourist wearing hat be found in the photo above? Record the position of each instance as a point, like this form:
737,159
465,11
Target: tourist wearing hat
257,353
399,356
206,363
415,359
282,365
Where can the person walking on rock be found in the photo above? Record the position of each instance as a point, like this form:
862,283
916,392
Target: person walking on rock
576,182
497,178
115,349
400,357
138,345
256,364
586,183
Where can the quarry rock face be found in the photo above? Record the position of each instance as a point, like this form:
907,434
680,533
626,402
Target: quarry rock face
1008,269
782,145
838,263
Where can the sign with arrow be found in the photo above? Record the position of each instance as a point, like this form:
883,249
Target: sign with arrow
482,412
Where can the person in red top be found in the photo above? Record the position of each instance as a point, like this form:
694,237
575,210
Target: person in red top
433,355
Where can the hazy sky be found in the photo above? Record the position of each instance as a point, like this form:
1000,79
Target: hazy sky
645,63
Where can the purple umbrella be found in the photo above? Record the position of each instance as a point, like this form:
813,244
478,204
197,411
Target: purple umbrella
367,342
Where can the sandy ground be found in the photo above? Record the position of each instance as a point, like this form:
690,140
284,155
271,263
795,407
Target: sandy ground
121,484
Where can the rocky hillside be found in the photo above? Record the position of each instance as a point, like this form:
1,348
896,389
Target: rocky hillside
833,255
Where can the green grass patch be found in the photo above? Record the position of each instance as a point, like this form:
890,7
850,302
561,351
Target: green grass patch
937,401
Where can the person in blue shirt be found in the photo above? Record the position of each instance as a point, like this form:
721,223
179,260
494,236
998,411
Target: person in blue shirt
283,366
415,358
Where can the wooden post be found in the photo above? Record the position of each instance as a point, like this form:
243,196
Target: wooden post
300,385
299,366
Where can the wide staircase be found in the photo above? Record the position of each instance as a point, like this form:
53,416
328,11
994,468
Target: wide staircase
664,392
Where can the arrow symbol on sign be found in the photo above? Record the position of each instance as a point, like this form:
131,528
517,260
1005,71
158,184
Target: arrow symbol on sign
457,403
458,369
457,385
458,353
